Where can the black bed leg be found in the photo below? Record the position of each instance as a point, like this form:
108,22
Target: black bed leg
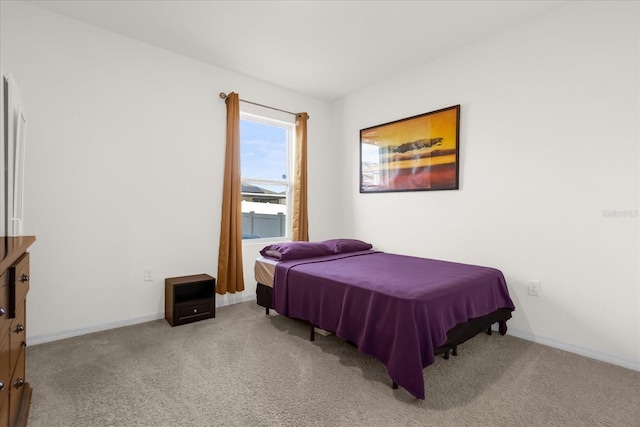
266,309
446,354
489,330
454,350
394,385
312,334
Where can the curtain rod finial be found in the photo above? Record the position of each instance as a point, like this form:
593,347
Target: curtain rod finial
223,95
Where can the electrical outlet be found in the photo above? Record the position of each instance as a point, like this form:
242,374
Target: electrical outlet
148,273
535,288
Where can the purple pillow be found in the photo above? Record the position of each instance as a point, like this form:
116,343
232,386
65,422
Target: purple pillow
341,246
295,250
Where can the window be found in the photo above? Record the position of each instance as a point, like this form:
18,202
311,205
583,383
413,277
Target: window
266,146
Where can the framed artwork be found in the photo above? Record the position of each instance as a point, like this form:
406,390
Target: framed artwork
419,153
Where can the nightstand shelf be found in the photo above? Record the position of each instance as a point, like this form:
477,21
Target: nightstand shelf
189,299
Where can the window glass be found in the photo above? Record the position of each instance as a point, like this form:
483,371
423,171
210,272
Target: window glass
263,150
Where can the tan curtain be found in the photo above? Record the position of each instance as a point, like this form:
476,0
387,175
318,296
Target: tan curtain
300,221
230,276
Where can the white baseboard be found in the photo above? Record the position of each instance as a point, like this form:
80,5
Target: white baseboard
41,339
582,351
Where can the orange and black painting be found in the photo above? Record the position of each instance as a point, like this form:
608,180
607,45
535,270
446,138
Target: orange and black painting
413,154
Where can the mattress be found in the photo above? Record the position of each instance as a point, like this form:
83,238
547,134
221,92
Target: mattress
264,270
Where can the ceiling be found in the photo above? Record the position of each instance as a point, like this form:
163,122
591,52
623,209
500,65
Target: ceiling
324,49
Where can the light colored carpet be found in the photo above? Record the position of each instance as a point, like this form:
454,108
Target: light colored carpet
247,369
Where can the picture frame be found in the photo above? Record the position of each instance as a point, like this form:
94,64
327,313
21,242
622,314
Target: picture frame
418,153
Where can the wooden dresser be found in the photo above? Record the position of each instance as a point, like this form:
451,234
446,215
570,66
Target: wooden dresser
15,392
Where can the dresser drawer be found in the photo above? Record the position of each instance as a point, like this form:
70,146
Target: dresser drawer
19,278
4,413
18,386
17,335
5,369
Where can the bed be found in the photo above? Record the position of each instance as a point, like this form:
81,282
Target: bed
402,310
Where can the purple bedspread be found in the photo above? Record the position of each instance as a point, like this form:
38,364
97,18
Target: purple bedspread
396,308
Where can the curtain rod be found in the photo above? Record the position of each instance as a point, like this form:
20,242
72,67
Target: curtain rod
224,96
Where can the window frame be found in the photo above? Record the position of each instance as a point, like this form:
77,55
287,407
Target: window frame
265,118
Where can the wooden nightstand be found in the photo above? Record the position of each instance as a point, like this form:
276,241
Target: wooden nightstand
189,299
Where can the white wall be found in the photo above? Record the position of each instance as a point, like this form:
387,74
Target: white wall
125,158
549,139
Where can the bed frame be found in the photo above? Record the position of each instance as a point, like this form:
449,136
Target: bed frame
413,304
